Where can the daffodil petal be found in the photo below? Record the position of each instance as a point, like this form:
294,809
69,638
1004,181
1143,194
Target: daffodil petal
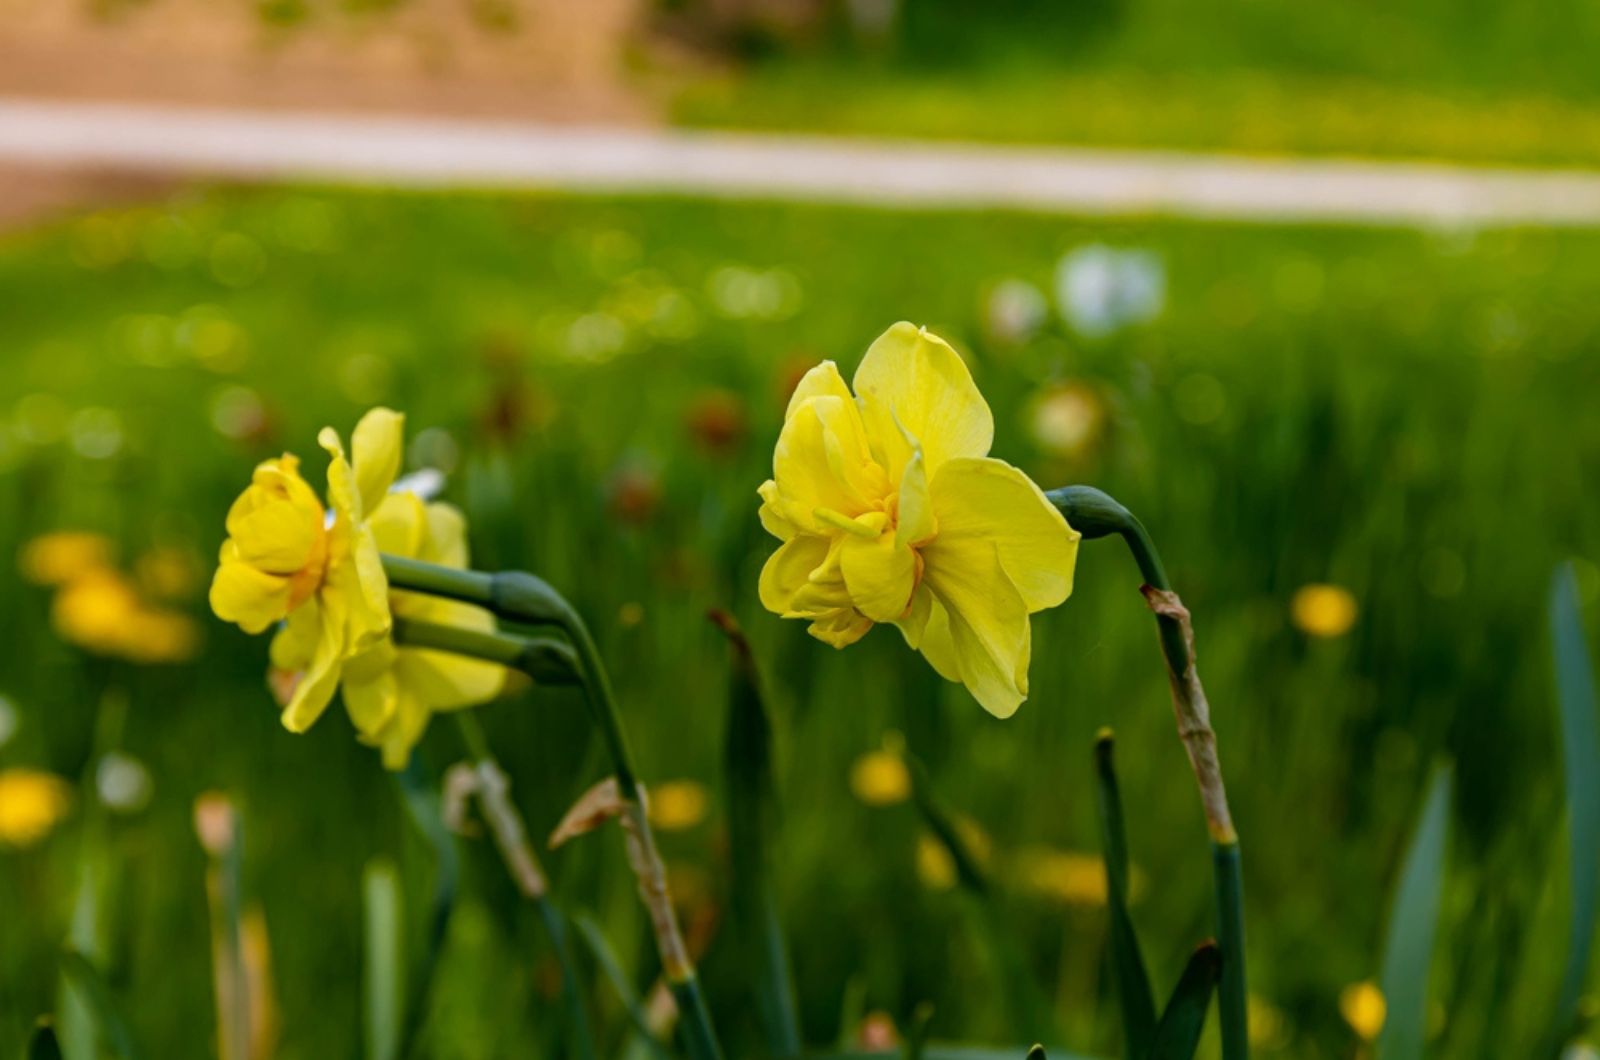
443,681
880,574
403,732
295,644
375,451
399,524
822,461
823,380
840,628
917,522
987,502
363,591
788,570
370,702
771,519
273,534
315,690
988,621
342,495
249,597
447,536
914,377
937,645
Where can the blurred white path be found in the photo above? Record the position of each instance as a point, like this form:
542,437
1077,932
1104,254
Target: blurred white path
448,152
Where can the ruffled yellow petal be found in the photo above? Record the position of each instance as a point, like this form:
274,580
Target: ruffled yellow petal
917,522
788,570
988,621
370,699
376,451
822,381
823,461
342,495
295,644
989,502
880,574
403,731
912,381
840,628
315,690
363,590
771,519
446,542
250,597
399,524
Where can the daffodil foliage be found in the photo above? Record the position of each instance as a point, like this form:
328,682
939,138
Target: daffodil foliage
890,509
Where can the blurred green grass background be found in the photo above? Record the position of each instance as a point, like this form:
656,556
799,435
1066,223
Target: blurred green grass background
1477,82
1404,414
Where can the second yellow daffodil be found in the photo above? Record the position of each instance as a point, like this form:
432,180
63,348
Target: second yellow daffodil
891,510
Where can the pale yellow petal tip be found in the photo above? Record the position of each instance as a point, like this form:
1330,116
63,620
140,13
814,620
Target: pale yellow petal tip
329,439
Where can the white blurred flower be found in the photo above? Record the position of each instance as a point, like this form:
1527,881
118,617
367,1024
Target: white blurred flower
123,782
1100,289
8,721
1016,310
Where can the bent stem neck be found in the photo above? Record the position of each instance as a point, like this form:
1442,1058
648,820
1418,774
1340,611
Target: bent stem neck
1094,513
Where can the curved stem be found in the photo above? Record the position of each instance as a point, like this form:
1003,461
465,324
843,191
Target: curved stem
1094,513
523,598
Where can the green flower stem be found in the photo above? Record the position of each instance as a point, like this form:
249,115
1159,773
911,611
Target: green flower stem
545,659
522,864
1096,514
523,598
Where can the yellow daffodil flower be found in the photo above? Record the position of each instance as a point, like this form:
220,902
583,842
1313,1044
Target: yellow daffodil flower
390,692
891,510
286,560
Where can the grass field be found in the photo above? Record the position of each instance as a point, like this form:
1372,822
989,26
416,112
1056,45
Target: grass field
1402,414
1417,79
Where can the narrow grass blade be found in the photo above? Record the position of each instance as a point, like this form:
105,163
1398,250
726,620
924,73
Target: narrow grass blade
555,926
384,970
1031,1013
751,826
421,801
1177,1034
1413,920
917,1034
1134,996
42,1044
600,948
1580,745
111,1030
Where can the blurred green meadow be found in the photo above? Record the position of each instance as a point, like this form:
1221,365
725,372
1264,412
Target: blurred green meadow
1404,418
1482,83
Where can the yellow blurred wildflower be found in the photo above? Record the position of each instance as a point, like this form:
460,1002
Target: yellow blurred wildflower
890,510
62,555
101,611
1066,876
32,803
1323,610
1363,1008
338,638
1269,1027
676,805
935,867
880,778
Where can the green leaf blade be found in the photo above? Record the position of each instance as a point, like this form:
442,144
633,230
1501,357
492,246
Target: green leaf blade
1580,746
1134,995
1177,1035
1413,922
384,960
